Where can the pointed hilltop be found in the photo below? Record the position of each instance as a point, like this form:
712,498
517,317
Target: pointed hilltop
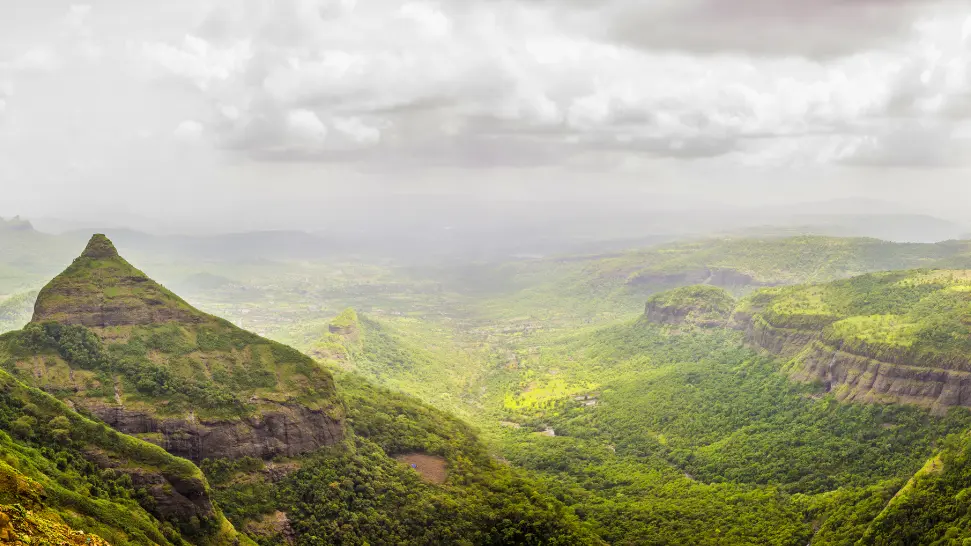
100,290
128,350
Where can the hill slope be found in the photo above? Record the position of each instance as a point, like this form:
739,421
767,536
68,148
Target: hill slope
114,342
58,468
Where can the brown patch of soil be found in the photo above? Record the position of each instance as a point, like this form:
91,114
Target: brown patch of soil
431,468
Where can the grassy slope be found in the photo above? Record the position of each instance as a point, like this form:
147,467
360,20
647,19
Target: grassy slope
45,465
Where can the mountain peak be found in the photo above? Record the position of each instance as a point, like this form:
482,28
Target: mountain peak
100,290
100,248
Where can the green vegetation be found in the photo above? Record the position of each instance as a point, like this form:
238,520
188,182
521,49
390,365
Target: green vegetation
347,319
698,304
933,507
47,466
584,421
106,333
919,318
356,493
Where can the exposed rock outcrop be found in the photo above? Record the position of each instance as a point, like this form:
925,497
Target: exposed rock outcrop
176,497
266,399
860,379
283,429
855,377
346,325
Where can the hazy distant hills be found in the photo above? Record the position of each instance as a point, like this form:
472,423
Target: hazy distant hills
416,232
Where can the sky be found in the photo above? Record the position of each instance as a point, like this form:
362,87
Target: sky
196,115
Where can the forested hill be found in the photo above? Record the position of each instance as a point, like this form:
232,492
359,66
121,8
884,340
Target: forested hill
148,381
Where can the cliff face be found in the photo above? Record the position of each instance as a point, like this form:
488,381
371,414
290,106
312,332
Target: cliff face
32,479
278,429
907,354
146,362
857,378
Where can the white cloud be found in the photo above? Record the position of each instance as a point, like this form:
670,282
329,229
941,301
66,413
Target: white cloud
306,127
494,82
189,131
430,72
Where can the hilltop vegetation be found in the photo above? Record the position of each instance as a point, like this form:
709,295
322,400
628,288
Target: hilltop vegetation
698,304
919,317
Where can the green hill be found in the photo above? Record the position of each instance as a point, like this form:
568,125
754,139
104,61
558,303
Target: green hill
112,341
699,304
293,458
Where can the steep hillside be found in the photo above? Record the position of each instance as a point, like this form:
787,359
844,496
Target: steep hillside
62,474
885,337
932,508
407,474
112,341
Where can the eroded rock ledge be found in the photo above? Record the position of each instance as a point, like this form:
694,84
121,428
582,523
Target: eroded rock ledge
284,429
856,377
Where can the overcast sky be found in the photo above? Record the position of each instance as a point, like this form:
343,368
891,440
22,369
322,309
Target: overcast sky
250,114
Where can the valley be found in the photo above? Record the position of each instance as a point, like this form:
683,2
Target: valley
643,407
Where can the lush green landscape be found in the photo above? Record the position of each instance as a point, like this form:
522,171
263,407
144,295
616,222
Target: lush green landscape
576,400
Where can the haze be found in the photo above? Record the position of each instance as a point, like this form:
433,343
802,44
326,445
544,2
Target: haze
383,115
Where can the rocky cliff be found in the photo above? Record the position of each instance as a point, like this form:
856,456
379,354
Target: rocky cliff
277,430
878,338
51,481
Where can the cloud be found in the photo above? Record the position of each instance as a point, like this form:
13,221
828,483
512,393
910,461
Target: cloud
534,83
817,29
189,131
404,76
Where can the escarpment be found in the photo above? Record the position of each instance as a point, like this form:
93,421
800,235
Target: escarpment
896,337
115,343
277,430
